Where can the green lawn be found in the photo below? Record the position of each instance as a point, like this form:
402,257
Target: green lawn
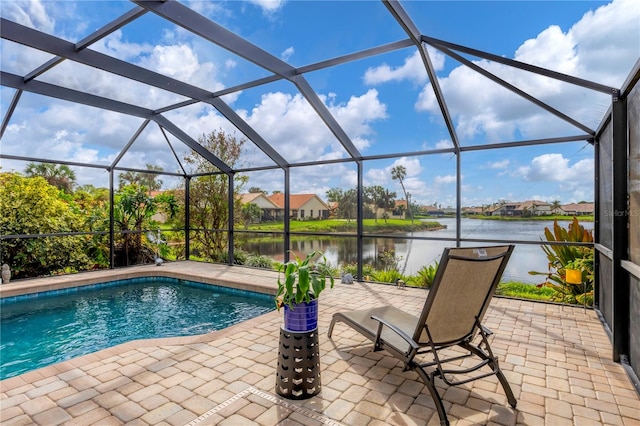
524,291
343,225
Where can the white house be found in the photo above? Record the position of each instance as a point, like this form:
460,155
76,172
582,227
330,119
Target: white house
270,211
302,206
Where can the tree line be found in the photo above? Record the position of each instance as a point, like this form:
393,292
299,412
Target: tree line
46,200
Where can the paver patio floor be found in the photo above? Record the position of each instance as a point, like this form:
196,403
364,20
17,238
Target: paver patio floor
557,359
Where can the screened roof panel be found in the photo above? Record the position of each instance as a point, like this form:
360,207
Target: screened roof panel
287,122
496,26
586,106
169,49
201,119
379,95
47,128
152,148
315,30
18,59
498,111
69,20
105,84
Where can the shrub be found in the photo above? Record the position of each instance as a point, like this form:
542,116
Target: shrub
33,206
525,291
387,276
425,276
259,261
352,268
569,257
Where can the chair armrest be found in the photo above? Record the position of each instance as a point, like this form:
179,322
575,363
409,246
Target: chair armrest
396,330
486,331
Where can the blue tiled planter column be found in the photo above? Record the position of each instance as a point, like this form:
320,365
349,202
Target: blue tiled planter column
303,317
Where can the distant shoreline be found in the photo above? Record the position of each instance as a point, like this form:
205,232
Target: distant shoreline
585,218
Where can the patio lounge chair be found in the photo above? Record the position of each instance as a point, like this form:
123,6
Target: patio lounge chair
452,314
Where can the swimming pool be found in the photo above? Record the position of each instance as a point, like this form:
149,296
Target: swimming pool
46,328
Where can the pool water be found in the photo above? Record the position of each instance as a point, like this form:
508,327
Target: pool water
53,327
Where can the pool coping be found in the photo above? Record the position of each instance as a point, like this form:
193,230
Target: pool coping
187,270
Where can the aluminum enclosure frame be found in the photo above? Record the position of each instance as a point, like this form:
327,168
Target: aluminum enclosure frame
278,69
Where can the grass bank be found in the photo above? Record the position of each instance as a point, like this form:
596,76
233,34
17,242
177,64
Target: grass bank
391,226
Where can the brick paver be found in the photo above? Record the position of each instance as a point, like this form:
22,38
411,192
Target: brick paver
556,358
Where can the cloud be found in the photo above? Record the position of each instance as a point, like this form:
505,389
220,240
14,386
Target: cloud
414,182
268,6
592,49
575,181
555,168
293,128
412,69
444,144
443,180
499,164
30,13
287,53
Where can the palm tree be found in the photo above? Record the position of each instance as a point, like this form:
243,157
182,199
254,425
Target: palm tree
387,201
149,180
61,176
374,194
128,178
399,173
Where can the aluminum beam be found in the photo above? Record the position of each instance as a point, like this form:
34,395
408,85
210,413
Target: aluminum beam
517,91
521,65
191,143
620,238
320,65
409,27
114,25
131,141
390,47
71,95
44,160
10,110
175,155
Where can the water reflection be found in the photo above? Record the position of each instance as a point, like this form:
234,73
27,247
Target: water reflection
414,254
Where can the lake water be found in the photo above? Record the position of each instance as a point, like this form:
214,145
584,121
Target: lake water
416,253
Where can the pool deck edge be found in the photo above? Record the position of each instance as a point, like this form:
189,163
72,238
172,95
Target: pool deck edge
238,277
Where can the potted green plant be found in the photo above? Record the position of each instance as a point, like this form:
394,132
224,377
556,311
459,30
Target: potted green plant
298,292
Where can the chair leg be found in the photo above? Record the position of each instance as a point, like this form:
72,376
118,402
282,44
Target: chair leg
505,386
495,367
333,322
428,381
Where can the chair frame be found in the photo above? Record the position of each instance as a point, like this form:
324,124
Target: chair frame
482,349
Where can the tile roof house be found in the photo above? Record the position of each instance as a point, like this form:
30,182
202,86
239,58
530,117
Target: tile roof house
302,206
432,211
535,208
579,209
524,208
270,210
